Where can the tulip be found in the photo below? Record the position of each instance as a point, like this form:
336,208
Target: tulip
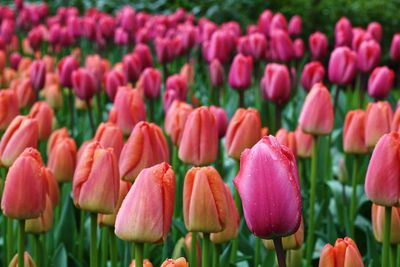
232,223
368,55
378,221
342,66
144,54
27,261
38,75
359,36
43,223
110,136
65,68
23,132
150,81
175,120
84,83
178,84
317,115
298,47
395,125
378,122
344,253
9,108
354,132
278,22
62,159
395,48
15,59
180,262
216,73
240,72
375,30
146,212
343,32
303,143
24,194
380,82
96,180
205,205
221,118
264,22
244,131
55,137
287,139
121,37
257,45
281,46
35,38
313,73
129,108
199,142
292,242
275,84
44,115
113,80
131,67
318,43
220,47
146,263
295,24
53,96
145,147
107,26
98,67
24,92
164,49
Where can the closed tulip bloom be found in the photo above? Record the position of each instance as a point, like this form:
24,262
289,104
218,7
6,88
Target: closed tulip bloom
110,135
264,22
222,120
287,139
216,73
175,120
95,185
15,59
313,73
199,143
178,84
345,253
343,32
23,132
144,54
146,263
295,24
232,223
44,115
395,47
380,82
145,147
121,37
244,131
43,223
150,81
205,205
382,186
146,213
240,72
28,261
378,220
395,125
8,108
164,49
132,67
354,132
65,68
113,80
130,109
55,137
359,36
342,66
180,262
318,43
368,55
109,219
268,185
291,242
275,84
24,194
257,45
220,46
281,46
53,96
303,143
375,30
23,90
38,74
298,47
317,115
378,122
278,22
84,83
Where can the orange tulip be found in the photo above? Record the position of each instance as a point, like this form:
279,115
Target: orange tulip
288,139
378,220
44,115
23,90
303,143
62,159
53,96
354,132
28,261
205,205
9,108
344,253
43,223
180,262
110,135
377,122
146,263
175,120
55,137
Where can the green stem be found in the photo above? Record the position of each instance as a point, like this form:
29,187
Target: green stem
280,253
71,111
278,117
241,98
193,251
151,110
386,236
313,189
81,235
353,205
93,240
393,255
113,247
257,252
90,115
104,246
37,250
216,252
21,243
99,107
139,254
10,239
205,250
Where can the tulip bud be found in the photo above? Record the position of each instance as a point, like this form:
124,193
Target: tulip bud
264,22
187,73
15,59
205,205
132,67
287,139
95,184
65,68
318,43
150,81
121,37
278,22
9,108
110,136
380,82
180,262
257,46
164,49
53,96
295,24
317,115
23,132
55,137
44,115
24,195
221,118
368,55
275,84
84,83
129,108
395,125
199,143
24,92
298,47
216,73
62,159
38,74
303,143
342,66
395,48
344,252
354,132
220,46
378,122
144,54
381,186
145,147
281,46
240,72
28,261
113,80
178,84
292,242
268,185
343,32
313,73
146,219
175,120
375,30
378,221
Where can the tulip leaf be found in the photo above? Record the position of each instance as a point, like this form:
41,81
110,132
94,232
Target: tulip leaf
60,257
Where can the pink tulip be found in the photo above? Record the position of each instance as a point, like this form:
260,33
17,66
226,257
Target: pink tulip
343,32
144,54
318,43
84,83
298,47
150,81
313,73
375,30
264,22
113,80
65,68
44,115
216,73
257,45
395,48
278,22
221,118
110,136
354,132
380,82
275,84
178,84
368,55
378,121
240,72
303,143
295,25
342,66
175,120
38,74
281,46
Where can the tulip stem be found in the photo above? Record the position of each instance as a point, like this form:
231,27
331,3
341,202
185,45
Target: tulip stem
336,99
99,107
10,240
21,243
257,252
113,247
241,99
71,111
313,189
90,114
353,205
104,246
193,250
280,253
139,254
151,110
393,255
278,117
386,236
216,252
205,250
37,250
81,235
93,240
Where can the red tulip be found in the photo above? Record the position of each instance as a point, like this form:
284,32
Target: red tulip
144,54
84,83
44,115
132,67
354,132
275,84
378,122
318,43
368,55
15,59
342,66
164,49
8,108
298,47
38,74
221,118
278,22
35,38
344,253
313,73
23,90
240,72
107,26
113,80
380,82
268,185
65,68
